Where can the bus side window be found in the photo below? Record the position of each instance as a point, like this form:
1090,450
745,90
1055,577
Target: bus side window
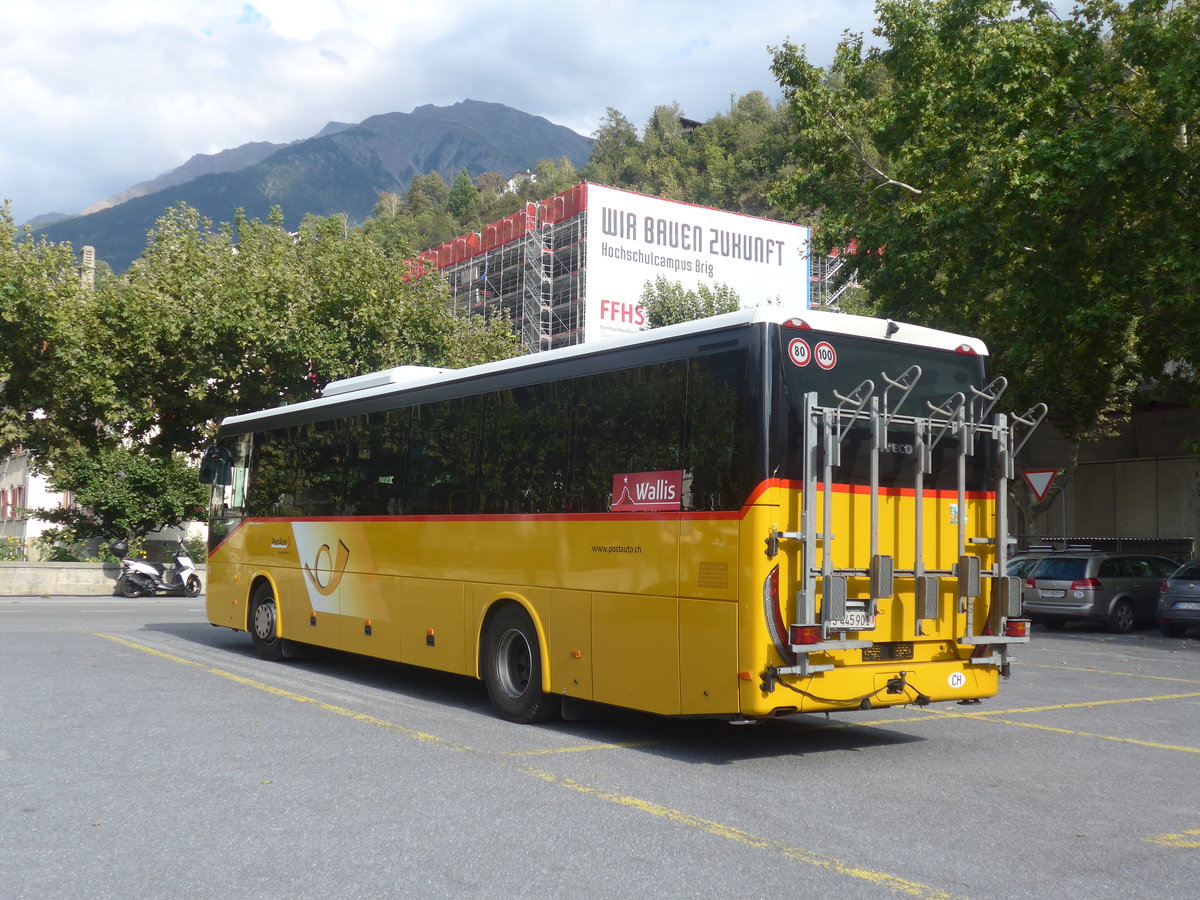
626,421
442,457
524,450
320,456
717,454
377,447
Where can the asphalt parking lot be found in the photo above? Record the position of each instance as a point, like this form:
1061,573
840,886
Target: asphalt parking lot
145,753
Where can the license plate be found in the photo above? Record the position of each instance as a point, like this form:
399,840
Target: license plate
1187,604
1053,593
855,620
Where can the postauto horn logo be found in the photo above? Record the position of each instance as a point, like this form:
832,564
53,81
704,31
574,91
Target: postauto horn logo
325,572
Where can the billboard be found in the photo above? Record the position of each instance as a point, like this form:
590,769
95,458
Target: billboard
633,239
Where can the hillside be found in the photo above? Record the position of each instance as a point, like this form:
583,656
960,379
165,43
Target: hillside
337,171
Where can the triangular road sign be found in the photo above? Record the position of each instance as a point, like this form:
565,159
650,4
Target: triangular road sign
1039,481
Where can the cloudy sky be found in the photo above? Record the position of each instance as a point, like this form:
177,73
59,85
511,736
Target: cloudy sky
98,96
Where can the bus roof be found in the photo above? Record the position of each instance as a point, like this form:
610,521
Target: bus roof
404,378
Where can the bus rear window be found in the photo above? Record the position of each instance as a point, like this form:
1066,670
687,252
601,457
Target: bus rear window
833,365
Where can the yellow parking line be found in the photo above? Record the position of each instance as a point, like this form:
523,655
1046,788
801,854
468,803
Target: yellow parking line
549,751
891,882
1189,840
1082,705
1103,737
1028,665
288,695
799,854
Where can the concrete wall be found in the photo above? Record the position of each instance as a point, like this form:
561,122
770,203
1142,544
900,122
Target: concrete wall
1143,482
52,579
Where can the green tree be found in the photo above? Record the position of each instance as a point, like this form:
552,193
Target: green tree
123,493
729,162
463,202
212,321
1019,176
616,157
668,302
53,383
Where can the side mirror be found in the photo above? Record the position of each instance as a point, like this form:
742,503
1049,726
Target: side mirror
216,467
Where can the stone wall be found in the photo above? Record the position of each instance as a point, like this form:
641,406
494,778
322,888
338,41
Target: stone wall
54,579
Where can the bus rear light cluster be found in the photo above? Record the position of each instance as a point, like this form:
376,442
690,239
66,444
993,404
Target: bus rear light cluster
799,324
965,350
804,634
1016,628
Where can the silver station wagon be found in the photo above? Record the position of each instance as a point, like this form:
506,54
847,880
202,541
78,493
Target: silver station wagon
1120,590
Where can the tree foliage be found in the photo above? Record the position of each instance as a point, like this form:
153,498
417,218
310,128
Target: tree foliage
51,357
124,493
210,321
1019,176
729,162
668,302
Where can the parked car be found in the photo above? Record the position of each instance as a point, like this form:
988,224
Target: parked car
1119,589
1179,600
1022,564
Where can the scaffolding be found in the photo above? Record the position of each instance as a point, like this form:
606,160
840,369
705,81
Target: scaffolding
531,267
824,269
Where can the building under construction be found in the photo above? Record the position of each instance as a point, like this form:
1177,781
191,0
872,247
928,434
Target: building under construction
539,266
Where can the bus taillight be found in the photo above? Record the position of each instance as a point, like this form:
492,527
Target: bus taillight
804,634
798,324
966,350
1016,628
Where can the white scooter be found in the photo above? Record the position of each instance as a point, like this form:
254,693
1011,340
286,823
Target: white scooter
144,579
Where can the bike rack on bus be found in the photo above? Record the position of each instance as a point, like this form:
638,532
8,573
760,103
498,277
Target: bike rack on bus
824,430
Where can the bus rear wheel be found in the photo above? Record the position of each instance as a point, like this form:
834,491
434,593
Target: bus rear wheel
264,624
512,669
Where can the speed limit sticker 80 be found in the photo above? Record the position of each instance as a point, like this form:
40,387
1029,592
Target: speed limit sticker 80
799,351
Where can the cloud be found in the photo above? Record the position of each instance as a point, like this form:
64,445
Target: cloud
95,97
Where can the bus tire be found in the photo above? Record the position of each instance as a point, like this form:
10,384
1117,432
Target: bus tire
512,669
263,621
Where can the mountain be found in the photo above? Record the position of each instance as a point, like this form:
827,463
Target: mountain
343,169
200,164
46,219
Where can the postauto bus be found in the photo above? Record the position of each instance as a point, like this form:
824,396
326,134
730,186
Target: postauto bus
758,514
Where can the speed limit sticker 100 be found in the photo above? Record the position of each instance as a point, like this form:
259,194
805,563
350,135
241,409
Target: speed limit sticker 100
825,355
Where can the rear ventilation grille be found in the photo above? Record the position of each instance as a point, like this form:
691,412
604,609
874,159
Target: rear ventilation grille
713,575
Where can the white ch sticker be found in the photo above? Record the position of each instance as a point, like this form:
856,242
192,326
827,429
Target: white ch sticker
957,680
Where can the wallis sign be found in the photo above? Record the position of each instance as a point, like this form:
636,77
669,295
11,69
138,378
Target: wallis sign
648,491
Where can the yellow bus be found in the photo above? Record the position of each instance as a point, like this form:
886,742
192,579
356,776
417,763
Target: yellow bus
760,514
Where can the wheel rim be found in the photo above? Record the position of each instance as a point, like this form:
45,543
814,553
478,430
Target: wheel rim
1124,617
264,621
514,663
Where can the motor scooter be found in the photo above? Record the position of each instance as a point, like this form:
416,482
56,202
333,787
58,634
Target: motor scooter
146,579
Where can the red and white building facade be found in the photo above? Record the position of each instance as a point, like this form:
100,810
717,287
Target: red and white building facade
572,268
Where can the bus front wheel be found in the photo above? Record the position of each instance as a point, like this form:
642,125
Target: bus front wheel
264,624
513,669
